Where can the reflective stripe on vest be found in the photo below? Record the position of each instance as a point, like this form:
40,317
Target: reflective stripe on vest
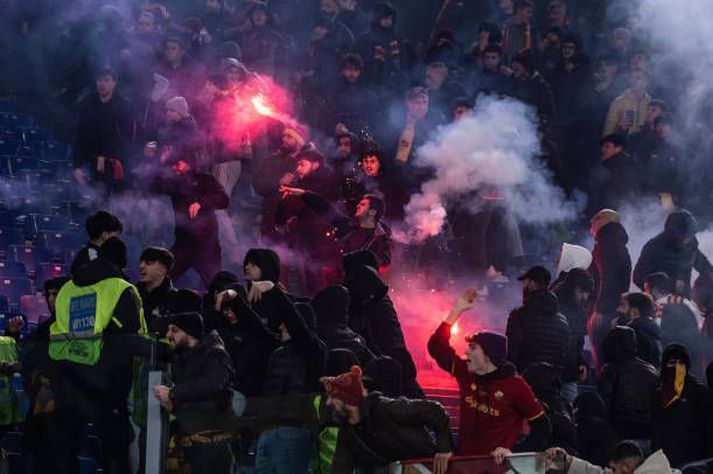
326,444
83,314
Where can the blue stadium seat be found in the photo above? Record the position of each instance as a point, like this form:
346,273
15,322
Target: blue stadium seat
8,106
52,151
9,145
22,163
11,236
14,120
10,269
14,288
50,222
29,255
34,135
58,242
45,271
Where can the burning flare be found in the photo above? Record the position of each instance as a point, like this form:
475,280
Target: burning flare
259,102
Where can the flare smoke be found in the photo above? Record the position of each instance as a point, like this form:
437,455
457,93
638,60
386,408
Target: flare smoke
493,153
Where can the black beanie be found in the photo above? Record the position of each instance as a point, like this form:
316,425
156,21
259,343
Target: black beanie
114,250
676,351
184,301
494,345
191,323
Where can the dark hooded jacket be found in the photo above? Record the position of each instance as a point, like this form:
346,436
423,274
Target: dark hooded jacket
392,430
684,428
627,385
610,269
295,366
202,391
537,332
595,435
545,382
664,253
222,281
648,340
109,381
576,316
331,306
269,263
249,344
372,313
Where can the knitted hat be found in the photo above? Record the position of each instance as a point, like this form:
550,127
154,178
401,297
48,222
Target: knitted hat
494,345
179,105
114,251
294,134
191,323
346,387
183,300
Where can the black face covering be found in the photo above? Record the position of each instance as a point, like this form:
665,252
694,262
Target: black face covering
624,318
340,419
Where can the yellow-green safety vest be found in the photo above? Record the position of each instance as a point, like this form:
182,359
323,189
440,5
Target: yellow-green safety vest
10,413
82,315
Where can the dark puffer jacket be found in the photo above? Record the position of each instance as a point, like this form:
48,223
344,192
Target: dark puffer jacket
662,254
202,391
611,268
595,435
576,316
537,332
627,385
295,366
372,312
684,429
390,430
331,306
648,340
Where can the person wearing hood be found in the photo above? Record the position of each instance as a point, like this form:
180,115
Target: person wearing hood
574,296
683,411
246,339
537,331
331,306
594,433
611,271
569,258
675,252
212,317
625,458
293,368
637,310
155,286
179,138
494,400
93,375
195,197
200,395
627,385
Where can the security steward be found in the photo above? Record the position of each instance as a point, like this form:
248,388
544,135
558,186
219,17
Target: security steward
99,323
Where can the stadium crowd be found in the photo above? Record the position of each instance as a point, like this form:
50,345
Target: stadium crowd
292,129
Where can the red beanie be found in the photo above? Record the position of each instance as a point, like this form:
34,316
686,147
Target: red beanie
346,387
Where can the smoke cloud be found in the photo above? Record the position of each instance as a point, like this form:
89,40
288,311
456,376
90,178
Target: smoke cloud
491,155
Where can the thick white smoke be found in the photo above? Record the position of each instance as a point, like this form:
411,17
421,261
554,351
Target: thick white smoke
493,151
